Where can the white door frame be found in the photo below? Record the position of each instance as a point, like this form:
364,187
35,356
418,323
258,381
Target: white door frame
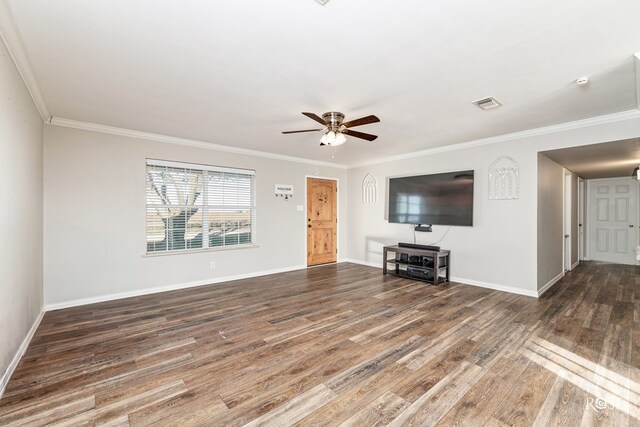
581,219
566,220
634,218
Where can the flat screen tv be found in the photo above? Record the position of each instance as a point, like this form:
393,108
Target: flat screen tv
438,199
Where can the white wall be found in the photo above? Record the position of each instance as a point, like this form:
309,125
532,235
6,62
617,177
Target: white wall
95,217
501,249
551,220
501,236
94,213
20,213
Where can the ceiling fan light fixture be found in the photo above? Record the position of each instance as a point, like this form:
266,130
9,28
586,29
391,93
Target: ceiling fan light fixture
329,138
340,139
336,129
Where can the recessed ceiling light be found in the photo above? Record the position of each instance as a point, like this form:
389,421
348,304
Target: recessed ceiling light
322,2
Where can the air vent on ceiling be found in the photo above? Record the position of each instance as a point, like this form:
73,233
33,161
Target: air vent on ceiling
487,103
322,2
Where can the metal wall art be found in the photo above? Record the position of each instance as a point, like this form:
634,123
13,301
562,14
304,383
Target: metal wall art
369,190
504,179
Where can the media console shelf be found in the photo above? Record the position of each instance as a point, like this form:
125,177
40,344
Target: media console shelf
417,264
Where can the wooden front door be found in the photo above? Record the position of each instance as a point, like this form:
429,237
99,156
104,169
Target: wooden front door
322,221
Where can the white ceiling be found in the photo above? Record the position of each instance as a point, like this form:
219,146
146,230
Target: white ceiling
240,72
606,160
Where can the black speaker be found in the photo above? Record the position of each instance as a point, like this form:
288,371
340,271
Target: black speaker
402,257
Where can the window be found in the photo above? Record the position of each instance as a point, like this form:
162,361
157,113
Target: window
198,207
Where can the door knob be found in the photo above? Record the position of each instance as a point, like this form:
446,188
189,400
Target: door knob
566,235
631,226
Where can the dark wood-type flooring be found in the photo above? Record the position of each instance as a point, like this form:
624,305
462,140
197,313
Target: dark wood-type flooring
341,345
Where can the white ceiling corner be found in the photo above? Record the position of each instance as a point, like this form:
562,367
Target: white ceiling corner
11,38
219,72
111,130
562,127
606,160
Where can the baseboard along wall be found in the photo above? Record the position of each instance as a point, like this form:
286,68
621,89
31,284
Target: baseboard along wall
465,281
21,351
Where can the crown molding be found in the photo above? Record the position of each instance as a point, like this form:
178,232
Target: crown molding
11,38
562,127
76,124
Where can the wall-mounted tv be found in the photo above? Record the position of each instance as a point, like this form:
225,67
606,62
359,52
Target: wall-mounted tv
438,199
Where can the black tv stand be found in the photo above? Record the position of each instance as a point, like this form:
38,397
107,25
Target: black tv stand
418,246
431,266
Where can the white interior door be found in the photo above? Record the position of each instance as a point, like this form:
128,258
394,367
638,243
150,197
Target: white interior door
612,220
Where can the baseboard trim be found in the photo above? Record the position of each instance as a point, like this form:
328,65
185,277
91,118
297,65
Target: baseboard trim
21,351
367,263
121,295
575,264
464,281
495,286
549,284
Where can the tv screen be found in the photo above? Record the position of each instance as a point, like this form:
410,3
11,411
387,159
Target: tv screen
439,199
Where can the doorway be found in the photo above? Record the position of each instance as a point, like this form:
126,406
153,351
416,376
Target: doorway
613,216
581,220
568,232
322,221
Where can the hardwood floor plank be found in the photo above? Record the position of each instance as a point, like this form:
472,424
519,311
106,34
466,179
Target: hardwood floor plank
340,344
117,413
598,317
564,405
380,412
525,398
365,369
297,408
434,404
357,397
33,416
478,404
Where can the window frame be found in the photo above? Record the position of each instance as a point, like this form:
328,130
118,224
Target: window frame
203,169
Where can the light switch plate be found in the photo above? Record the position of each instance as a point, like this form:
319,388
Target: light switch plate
300,208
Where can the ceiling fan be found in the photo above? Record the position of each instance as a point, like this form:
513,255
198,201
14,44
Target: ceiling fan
336,129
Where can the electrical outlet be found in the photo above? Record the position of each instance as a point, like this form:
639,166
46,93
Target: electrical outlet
213,265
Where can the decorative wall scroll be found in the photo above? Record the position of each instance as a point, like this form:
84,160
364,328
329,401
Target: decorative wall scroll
504,179
369,190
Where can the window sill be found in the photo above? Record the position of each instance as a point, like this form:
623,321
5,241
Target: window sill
201,250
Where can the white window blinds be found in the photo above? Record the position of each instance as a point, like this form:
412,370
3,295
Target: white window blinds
193,206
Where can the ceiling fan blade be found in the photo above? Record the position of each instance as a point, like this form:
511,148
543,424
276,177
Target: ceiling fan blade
361,135
301,131
315,117
361,121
